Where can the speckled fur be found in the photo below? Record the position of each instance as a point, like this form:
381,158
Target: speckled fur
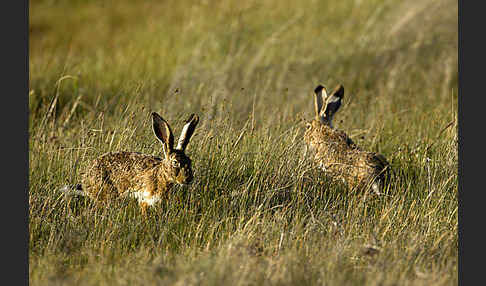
340,158
114,174
145,177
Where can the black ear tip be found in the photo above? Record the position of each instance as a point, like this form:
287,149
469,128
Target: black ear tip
194,117
339,90
318,88
157,117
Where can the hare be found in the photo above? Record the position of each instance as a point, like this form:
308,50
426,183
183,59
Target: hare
335,153
144,177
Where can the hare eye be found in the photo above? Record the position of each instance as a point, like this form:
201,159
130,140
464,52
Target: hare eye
175,164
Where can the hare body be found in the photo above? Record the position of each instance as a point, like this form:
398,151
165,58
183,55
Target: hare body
141,176
147,178
335,153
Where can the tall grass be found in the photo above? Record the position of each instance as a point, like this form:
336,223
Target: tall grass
258,211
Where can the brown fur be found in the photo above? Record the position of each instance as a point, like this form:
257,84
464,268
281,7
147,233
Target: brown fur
341,158
134,174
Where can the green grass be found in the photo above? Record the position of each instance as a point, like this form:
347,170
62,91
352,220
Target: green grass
258,212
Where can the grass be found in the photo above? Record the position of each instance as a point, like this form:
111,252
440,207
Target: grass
258,212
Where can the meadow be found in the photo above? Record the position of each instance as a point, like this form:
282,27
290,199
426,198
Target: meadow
258,212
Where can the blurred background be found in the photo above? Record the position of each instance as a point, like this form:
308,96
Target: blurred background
396,59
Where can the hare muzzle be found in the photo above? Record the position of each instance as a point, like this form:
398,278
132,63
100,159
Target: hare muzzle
184,177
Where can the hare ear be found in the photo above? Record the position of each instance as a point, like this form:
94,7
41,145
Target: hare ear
338,91
320,98
333,103
187,132
163,133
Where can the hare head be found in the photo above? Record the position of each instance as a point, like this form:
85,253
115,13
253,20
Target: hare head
178,165
326,105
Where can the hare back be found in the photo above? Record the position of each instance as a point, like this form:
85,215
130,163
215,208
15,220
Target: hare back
113,174
369,167
339,157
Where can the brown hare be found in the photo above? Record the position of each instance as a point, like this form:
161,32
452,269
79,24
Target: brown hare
144,177
335,153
